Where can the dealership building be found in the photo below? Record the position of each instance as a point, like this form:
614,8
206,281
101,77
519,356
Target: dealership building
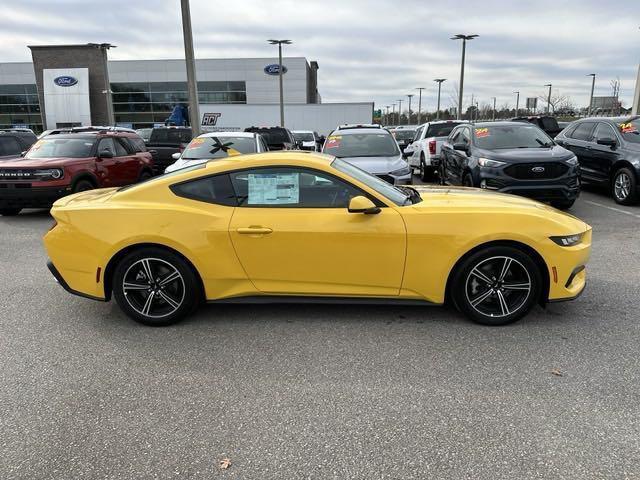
73,85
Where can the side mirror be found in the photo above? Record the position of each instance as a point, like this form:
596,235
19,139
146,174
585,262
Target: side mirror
361,204
176,155
105,154
609,142
22,154
461,147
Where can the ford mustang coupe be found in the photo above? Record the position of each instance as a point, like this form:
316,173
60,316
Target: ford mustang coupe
307,227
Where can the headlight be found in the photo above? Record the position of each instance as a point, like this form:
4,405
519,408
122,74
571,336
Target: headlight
567,240
485,162
401,172
573,160
54,173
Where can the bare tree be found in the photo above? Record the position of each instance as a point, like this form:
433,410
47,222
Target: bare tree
556,99
615,93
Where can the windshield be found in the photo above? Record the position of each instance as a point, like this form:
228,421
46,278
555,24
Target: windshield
441,129
54,146
404,134
630,131
511,136
383,188
218,147
304,137
361,145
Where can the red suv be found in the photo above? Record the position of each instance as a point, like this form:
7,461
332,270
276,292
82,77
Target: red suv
65,163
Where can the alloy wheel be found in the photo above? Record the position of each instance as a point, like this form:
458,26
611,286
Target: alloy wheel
153,287
622,186
498,286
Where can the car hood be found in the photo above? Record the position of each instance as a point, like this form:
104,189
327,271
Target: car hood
22,162
486,201
526,155
377,164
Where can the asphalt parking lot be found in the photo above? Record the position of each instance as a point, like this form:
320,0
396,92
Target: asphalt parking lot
290,391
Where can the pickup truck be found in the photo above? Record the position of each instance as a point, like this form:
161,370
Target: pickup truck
424,152
546,123
164,142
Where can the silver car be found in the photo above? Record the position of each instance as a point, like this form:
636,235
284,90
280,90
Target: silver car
371,148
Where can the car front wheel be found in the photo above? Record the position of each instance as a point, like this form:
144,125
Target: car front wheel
496,286
155,287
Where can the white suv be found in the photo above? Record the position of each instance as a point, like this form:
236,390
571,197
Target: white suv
424,152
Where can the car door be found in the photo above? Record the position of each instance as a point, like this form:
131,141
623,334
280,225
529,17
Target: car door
601,158
414,159
129,165
458,158
446,153
578,141
108,167
293,234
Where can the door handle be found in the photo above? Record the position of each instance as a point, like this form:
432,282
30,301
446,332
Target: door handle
254,231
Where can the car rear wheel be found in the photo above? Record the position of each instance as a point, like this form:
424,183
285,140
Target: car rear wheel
426,174
155,287
496,286
83,186
563,204
10,212
624,187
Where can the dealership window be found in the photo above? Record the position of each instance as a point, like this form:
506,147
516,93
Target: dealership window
142,104
19,106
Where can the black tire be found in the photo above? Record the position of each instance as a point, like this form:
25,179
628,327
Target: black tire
83,185
496,302
467,180
624,187
442,174
425,175
151,302
563,204
10,212
144,176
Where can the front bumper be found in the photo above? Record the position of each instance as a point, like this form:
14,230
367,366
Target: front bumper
567,269
566,187
23,195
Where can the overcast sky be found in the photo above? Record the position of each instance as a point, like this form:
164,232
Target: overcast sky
368,50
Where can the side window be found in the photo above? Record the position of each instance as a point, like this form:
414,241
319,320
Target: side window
583,131
265,147
107,144
418,134
9,146
287,187
216,189
454,136
121,150
465,136
604,130
137,144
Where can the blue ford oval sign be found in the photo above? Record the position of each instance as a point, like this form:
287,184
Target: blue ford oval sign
65,81
274,69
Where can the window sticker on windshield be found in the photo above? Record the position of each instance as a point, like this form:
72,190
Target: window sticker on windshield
482,132
334,141
628,128
196,142
273,188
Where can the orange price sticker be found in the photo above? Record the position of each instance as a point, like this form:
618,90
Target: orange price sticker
628,128
482,132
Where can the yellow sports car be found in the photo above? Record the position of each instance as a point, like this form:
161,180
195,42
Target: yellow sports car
293,226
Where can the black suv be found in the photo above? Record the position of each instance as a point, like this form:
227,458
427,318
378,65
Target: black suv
511,157
278,138
15,141
608,150
545,122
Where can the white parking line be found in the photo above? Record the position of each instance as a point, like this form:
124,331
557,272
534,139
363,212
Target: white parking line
612,208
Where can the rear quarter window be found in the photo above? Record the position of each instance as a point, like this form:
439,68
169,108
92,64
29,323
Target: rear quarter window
214,189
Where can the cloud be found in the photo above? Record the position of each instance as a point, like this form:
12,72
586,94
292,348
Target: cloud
368,50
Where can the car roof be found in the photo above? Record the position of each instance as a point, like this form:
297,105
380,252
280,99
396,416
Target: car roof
505,123
628,118
228,134
302,131
439,122
362,131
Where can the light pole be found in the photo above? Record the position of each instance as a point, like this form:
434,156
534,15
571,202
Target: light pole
400,111
439,80
593,84
387,118
192,86
494,109
420,104
393,112
280,43
517,102
548,98
409,96
464,39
